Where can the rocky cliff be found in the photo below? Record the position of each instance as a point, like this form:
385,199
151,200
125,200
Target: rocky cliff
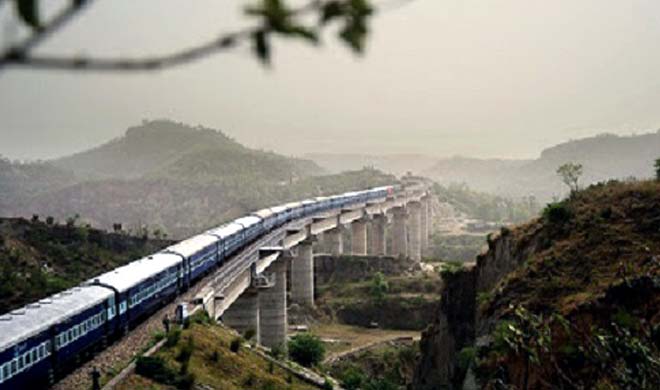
570,300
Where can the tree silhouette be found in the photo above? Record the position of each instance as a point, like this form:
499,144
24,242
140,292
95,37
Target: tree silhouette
570,174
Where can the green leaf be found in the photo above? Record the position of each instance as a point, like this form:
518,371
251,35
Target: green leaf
28,10
305,33
331,10
354,34
261,46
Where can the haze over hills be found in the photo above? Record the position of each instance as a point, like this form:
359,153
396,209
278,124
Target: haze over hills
167,149
603,157
169,176
397,164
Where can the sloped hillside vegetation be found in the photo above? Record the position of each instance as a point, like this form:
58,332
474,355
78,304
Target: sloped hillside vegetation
208,356
38,259
584,310
568,301
167,176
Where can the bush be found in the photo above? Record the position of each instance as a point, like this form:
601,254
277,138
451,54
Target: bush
306,349
327,385
278,351
351,378
186,351
380,384
657,169
173,338
157,370
235,345
557,213
378,287
154,368
249,334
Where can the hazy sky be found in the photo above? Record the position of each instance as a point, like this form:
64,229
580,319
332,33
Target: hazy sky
443,77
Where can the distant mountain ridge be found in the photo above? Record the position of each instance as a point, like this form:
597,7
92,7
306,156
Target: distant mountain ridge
167,175
168,149
603,157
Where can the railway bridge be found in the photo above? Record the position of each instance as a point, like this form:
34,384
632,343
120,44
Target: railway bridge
251,291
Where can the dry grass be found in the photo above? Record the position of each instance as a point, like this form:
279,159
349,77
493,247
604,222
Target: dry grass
231,371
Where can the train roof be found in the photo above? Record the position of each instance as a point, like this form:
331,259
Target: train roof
193,244
133,273
263,213
248,220
225,231
292,205
34,318
278,209
308,201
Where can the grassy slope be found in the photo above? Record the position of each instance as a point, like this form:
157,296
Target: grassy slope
599,269
231,371
405,306
37,259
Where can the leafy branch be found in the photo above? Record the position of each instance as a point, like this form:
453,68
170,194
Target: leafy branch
274,19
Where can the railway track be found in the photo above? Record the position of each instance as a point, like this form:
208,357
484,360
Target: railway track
116,356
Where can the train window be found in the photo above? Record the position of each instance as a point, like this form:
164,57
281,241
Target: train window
27,358
5,370
19,364
2,373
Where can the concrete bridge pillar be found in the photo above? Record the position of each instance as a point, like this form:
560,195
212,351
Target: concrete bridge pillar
399,236
272,307
302,275
243,314
424,220
335,240
415,233
377,241
359,237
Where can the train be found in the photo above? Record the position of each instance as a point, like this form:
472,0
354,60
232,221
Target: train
43,340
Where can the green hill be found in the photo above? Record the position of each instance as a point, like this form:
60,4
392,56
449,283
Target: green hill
38,259
164,148
567,301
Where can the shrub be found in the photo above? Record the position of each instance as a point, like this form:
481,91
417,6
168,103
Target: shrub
154,368
378,287
186,351
306,349
557,213
215,356
327,385
157,370
351,378
278,351
235,345
657,169
380,384
173,338
249,334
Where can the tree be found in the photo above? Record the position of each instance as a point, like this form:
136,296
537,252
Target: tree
570,174
657,169
379,287
274,18
306,349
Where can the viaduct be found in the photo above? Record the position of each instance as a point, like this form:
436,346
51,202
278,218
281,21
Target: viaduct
250,292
